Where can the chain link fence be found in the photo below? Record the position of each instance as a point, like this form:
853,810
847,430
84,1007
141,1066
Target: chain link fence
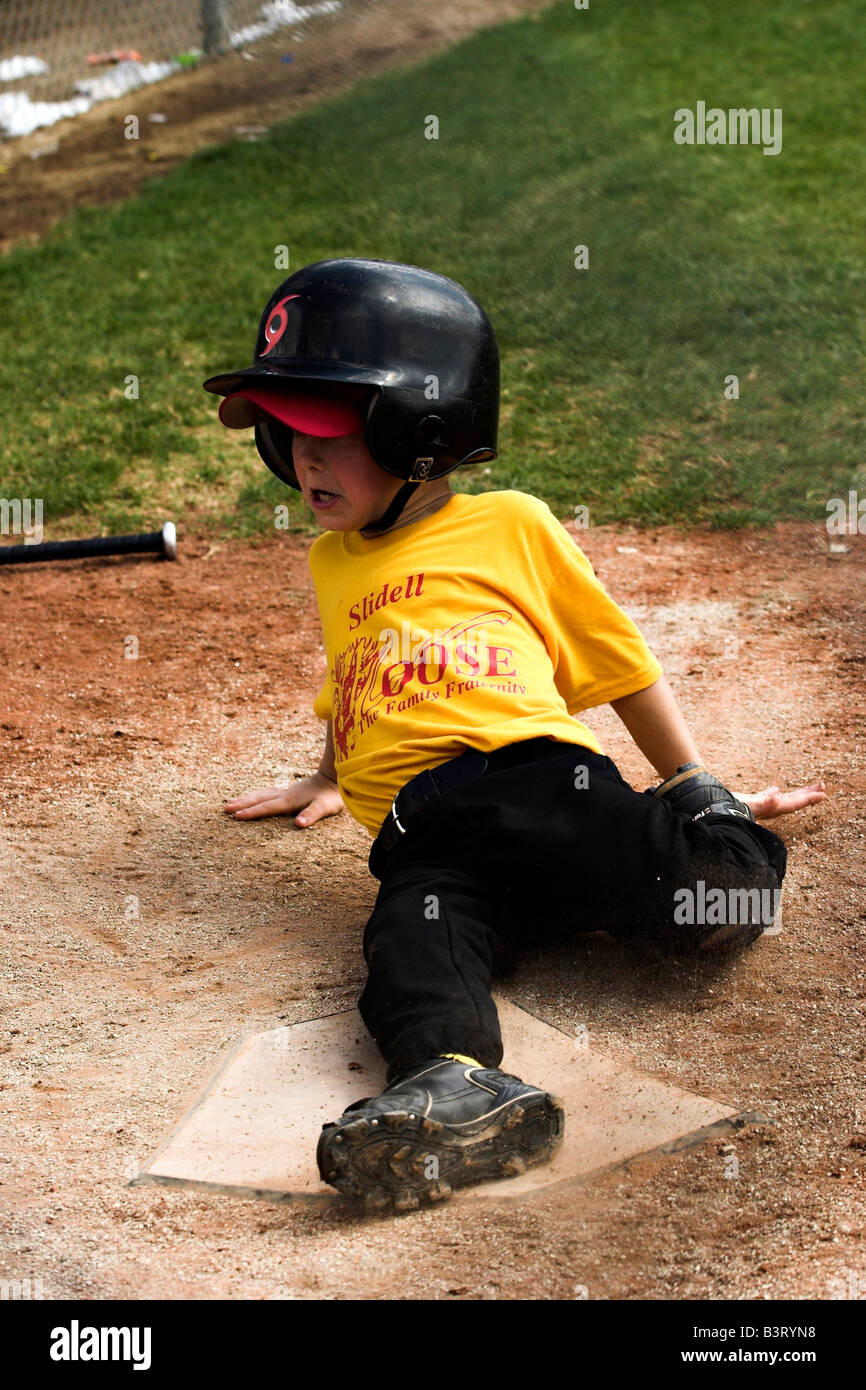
58,59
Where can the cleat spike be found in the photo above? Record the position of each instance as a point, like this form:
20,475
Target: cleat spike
358,1129
397,1161
394,1119
406,1201
514,1166
377,1200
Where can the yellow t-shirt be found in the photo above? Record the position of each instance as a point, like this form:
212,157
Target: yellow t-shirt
477,626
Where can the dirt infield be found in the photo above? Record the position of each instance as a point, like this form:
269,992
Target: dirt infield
93,163
114,772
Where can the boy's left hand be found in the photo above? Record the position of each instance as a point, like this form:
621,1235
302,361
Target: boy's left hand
772,802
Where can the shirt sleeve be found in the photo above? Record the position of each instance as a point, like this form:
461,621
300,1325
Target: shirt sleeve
322,705
597,651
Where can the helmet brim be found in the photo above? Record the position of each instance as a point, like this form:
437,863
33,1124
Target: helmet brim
284,373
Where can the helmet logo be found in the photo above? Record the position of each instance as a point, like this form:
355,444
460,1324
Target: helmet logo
421,471
276,324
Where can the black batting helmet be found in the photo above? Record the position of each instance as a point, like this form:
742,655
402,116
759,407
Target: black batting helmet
421,345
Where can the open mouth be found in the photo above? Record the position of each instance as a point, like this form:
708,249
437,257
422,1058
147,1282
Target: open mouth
320,498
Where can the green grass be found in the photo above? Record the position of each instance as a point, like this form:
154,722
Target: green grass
704,261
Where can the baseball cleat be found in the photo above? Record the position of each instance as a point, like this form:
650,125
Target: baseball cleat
739,934
732,934
438,1126
697,793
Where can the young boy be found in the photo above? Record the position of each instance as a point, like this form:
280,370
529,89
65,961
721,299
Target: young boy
463,633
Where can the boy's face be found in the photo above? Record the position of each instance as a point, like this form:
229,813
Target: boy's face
341,480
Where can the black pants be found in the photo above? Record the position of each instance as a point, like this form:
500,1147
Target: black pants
526,855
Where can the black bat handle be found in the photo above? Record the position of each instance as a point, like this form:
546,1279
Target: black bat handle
162,542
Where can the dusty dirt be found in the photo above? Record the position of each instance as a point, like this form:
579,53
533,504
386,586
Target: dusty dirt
93,163
114,772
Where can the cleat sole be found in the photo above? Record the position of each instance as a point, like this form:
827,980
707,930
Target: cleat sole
400,1166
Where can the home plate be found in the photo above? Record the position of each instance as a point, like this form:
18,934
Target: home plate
252,1131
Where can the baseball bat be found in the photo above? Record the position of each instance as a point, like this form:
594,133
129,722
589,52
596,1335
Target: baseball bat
162,542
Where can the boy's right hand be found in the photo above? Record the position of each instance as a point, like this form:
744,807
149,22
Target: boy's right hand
307,800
